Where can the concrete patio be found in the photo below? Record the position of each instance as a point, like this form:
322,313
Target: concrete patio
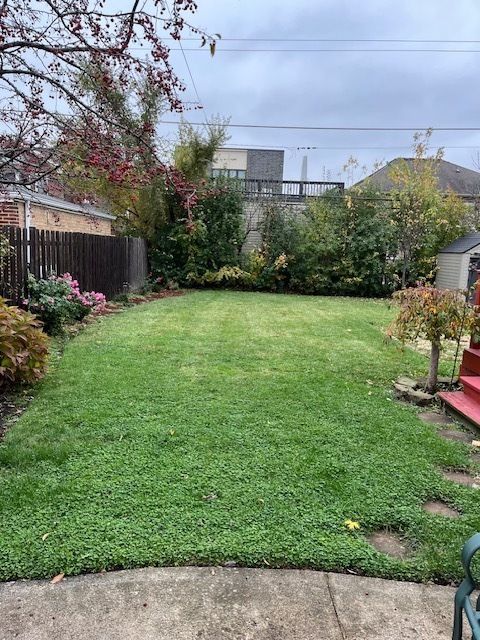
188,603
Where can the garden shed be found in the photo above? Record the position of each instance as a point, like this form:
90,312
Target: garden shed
457,263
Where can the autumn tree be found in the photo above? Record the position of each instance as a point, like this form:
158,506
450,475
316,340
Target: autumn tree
144,196
424,219
45,111
434,315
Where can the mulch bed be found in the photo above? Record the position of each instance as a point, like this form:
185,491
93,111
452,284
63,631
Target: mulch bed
12,404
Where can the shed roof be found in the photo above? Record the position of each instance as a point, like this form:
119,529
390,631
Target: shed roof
463,244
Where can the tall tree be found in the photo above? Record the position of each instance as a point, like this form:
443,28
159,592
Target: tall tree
44,45
195,150
423,217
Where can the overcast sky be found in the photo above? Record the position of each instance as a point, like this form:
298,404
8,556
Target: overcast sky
341,88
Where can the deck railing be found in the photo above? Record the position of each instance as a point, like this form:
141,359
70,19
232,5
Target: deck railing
288,189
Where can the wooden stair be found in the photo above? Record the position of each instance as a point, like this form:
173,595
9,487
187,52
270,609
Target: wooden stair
466,403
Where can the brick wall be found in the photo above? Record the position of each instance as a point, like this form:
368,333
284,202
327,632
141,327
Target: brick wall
9,215
56,220
265,164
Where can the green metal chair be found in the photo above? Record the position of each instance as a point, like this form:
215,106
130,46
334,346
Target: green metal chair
462,597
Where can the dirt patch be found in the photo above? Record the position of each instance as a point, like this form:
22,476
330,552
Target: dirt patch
449,347
456,435
391,544
12,405
439,508
432,417
462,477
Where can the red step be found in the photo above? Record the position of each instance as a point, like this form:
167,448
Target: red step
470,362
463,404
471,387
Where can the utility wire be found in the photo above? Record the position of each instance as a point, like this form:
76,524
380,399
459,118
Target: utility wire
249,50
182,49
267,146
307,128
380,40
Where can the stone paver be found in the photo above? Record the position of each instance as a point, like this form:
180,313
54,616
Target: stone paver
390,543
462,477
432,417
439,508
192,603
455,435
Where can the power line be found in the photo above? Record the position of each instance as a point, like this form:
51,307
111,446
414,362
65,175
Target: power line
186,63
248,50
308,128
392,40
350,148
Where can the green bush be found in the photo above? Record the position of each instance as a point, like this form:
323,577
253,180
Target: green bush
23,346
49,300
226,277
211,239
57,300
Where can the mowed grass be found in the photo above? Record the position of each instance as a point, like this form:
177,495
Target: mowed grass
224,426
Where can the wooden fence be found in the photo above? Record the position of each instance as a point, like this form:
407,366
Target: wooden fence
107,264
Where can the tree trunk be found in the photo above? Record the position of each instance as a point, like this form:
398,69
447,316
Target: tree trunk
433,372
404,270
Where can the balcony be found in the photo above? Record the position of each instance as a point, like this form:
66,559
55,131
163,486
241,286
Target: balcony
288,190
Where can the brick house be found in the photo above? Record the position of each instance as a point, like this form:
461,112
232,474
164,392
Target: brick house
21,207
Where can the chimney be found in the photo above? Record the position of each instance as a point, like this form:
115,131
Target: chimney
303,174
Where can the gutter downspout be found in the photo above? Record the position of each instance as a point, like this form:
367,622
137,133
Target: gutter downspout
27,223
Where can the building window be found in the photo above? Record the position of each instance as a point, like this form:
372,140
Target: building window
239,174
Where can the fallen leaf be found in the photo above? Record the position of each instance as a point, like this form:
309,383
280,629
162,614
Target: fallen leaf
211,496
45,536
352,524
57,578
230,564
475,443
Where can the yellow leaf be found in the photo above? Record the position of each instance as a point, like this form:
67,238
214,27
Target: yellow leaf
45,536
352,524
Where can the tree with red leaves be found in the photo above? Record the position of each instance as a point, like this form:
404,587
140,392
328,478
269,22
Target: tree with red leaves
50,49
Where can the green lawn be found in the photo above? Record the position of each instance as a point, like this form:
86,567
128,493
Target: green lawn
229,426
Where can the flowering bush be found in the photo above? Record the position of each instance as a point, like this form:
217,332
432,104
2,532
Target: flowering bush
86,301
23,346
58,300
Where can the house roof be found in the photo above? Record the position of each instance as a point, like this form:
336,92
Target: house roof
463,181
21,193
463,244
